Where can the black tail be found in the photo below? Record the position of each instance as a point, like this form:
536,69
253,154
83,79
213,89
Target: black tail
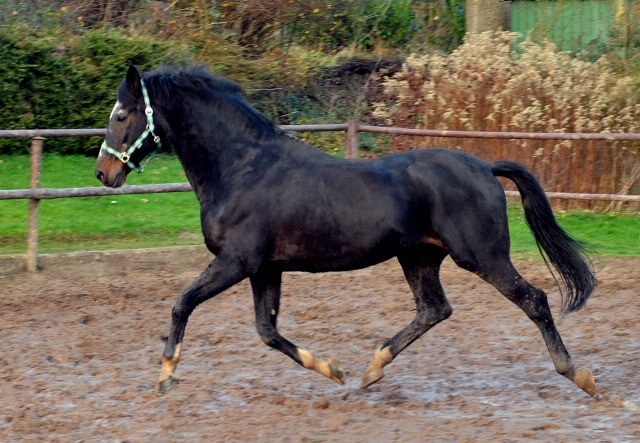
566,254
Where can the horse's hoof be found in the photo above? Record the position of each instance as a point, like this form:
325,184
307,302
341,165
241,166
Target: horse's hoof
167,384
584,380
336,370
371,376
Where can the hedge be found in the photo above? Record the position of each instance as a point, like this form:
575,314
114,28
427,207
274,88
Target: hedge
49,80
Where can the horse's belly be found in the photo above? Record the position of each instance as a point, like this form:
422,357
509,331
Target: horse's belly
343,263
317,257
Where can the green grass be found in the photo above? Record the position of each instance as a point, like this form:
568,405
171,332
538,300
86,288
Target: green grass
123,221
604,234
174,219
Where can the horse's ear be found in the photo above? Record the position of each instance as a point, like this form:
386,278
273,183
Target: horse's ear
133,80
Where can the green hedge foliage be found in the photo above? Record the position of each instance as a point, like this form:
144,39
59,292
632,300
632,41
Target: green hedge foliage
49,81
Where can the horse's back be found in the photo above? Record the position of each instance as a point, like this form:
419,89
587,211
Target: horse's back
450,182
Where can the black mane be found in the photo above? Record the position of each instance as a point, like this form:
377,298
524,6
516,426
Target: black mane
197,81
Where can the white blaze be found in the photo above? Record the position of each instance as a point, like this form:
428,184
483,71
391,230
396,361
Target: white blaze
116,108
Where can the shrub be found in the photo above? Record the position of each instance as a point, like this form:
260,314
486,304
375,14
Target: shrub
226,58
485,85
50,82
329,26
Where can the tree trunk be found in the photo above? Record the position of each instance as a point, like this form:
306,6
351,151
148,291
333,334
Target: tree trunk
486,15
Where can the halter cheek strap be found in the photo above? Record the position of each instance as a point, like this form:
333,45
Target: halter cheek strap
125,157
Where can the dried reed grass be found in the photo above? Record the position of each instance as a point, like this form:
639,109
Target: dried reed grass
486,85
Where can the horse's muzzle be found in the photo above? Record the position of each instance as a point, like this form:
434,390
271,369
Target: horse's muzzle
114,182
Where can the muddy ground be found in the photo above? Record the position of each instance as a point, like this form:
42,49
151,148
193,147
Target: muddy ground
81,344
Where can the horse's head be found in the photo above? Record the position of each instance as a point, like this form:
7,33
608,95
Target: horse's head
130,134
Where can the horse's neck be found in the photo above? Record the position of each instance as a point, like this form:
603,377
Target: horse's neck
213,151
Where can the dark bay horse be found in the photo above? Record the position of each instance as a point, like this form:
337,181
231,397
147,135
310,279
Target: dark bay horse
271,203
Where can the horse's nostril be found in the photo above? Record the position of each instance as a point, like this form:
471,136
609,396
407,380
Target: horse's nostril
100,175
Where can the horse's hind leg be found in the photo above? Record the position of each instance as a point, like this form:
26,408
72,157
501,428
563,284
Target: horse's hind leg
421,267
266,295
533,302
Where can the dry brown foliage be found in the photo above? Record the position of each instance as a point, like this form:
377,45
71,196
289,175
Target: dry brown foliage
485,85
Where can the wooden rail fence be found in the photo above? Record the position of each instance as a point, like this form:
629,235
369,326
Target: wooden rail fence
35,193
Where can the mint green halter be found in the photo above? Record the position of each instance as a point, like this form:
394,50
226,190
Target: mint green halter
125,157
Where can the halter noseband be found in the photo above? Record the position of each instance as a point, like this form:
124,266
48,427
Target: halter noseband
125,157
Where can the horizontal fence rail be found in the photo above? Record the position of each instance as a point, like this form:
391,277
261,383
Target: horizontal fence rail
31,133
51,193
352,128
500,135
574,196
610,136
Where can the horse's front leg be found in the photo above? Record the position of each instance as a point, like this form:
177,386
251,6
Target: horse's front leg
223,272
266,296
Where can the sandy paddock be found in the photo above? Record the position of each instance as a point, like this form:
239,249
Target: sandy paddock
82,341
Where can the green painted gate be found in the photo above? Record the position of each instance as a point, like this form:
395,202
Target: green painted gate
572,25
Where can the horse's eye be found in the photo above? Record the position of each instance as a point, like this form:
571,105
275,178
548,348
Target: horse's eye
121,119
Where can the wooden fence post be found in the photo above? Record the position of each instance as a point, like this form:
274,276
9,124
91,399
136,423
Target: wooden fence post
351,141
34,205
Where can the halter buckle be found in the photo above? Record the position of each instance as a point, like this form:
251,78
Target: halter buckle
124,158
